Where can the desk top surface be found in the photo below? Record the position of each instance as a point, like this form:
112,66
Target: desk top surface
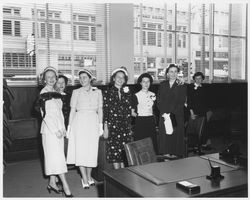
140,186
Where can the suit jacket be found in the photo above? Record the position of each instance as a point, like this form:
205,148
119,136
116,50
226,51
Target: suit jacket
171,100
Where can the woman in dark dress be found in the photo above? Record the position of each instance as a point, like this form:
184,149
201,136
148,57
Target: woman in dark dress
196,102
171,98
60,86
117,117
143,103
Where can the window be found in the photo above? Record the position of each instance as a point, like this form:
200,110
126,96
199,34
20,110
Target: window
178,40
16,12
184,41
83,32
170,40
7,10
50,30
17,28
83,18
43,30
88,27
75,32
57,31
18,60
11,28
159,40
93,33
7,27
144,37
152,38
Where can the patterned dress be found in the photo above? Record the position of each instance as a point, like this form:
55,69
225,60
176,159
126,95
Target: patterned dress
117,113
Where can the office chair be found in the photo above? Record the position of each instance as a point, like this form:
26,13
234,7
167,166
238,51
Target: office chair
142,152
194,139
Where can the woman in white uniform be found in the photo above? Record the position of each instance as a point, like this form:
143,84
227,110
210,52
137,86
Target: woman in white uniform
85,127
53,131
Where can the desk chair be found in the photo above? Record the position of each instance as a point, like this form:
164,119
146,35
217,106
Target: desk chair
141,152
194,139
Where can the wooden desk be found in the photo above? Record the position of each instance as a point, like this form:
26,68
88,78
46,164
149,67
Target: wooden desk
125,183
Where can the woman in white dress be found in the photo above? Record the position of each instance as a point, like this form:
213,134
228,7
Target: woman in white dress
85,127
53,131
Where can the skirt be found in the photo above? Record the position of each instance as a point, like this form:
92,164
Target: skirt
83,139
146,127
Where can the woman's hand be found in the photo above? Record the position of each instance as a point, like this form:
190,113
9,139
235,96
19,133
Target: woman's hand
193,116
101,129
179,81
133,113
106,131
67,132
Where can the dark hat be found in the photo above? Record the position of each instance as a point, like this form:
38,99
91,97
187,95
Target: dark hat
64,77
145,75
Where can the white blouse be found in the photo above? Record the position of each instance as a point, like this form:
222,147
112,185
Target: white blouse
145,103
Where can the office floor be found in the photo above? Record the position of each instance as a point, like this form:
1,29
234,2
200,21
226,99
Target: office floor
25,178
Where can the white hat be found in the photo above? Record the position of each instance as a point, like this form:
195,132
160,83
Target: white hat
87,72
50,69
123,69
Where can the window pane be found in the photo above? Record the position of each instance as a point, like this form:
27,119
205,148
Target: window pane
43,33
57,31
221,19
152,38
238,58
93,33
75,32
238,20
50,30
17,28
83,18
7,10
83,32
16,12
7,29
199,56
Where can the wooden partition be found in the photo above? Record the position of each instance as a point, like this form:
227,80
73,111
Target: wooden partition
227,101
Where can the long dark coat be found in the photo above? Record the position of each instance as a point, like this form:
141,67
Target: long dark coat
171,100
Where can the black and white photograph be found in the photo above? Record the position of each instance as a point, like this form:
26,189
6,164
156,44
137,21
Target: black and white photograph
109,99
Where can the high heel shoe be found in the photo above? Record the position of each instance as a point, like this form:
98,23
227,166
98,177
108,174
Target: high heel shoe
91,182
85,186
67,195
49,188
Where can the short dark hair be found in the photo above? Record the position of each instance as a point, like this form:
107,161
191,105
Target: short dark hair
113,76
199,74
64,77
171,66
145,75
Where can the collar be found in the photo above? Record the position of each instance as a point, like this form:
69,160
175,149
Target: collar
196,85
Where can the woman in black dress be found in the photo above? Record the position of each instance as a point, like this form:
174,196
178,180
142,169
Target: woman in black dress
171,98
117,117
60,86
142,108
